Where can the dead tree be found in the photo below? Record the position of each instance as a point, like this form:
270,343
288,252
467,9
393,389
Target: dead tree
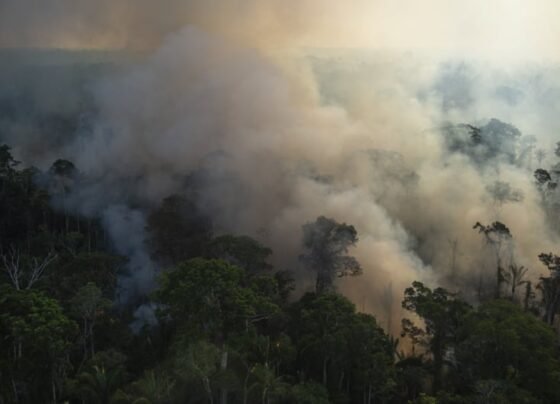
22,274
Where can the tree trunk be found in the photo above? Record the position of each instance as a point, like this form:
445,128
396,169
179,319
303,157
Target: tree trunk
16,394
498,278
223,366
208,389
92,340
245,382
89,234
53,386
438,348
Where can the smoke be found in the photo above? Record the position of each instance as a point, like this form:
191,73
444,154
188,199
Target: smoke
127,230
280,127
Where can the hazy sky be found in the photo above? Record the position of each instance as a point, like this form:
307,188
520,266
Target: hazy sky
511,29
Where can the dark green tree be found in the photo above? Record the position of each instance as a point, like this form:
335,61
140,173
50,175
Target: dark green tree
36,339
178,230
327,243
242,251
501,342
442,314
550,286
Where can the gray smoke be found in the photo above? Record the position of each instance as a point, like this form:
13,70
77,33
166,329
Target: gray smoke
278,134
127,231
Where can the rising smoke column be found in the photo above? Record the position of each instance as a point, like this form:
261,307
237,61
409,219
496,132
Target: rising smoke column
279,135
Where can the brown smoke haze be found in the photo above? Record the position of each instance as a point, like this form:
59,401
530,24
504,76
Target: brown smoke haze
291,110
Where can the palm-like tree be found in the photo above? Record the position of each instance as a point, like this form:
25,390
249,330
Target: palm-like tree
515,277
98,385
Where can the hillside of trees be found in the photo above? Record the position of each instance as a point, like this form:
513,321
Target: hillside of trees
223,326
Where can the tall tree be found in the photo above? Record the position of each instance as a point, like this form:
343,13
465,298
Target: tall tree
515,277
178,230
550,286
327,243
498,236
88,304
442,314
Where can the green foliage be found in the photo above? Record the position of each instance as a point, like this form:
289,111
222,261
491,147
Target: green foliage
442,315
99,379
242,251
230,329
309,393
207,298
153,388
36,338
77,271
325,330
500,341
87,305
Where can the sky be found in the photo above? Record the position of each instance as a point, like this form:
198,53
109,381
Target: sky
491,29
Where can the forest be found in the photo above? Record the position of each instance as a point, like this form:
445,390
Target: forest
279,202
223,325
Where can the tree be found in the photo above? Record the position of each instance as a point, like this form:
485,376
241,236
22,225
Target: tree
88,304
207,298
515,277
442,314
491,143
7,163
36,340
325,329
545,184
309,393
268,384
542,176
63,176
242,251
178,230
155,387
200,361
371,374
500,342
550,286
327,243
320,331
497,236
98,384
99,379
502,193
25,271
74,272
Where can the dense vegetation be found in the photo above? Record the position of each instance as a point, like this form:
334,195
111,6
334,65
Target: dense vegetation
229,327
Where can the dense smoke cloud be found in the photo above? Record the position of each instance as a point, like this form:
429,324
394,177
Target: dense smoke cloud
277,135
